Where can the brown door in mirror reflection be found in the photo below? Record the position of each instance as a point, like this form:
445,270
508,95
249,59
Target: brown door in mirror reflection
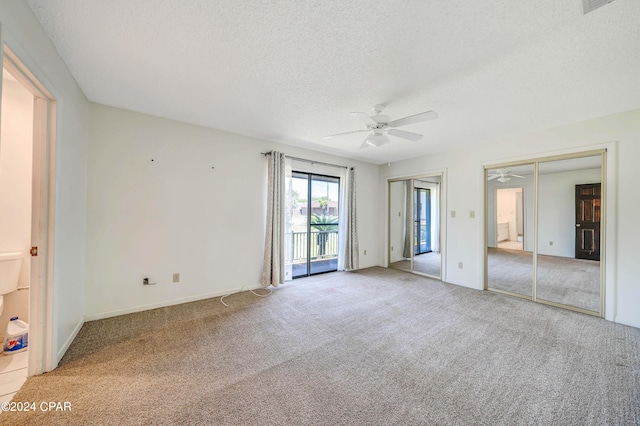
588,221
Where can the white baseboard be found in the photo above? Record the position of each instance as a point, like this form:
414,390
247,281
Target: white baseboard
166,303
627,321
68,342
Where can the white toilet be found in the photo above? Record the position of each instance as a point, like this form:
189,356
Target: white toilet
10,265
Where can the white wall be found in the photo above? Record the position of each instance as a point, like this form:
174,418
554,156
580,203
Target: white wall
16,150
619,133
197,209
557,210
23,33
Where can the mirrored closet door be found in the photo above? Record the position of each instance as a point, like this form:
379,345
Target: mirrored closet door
400,224
510,229
544,230
569,216
414,224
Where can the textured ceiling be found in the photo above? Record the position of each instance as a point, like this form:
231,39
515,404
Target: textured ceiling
291,71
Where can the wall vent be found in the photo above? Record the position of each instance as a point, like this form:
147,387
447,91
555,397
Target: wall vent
591,5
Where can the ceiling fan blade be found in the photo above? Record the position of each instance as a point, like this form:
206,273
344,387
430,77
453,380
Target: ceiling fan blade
493,177
417,118
364,118
405,135
518,176
345,133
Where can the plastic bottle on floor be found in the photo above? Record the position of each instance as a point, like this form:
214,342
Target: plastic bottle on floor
16,336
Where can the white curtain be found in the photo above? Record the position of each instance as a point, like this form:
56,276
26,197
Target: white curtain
407,252
273,266
348,252
288,221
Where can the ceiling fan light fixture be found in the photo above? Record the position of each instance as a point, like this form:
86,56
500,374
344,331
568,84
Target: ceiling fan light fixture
504,179
381,126
376,140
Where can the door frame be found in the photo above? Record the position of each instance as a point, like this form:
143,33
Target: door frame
41,333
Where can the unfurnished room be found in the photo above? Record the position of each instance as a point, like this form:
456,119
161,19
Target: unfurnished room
272,212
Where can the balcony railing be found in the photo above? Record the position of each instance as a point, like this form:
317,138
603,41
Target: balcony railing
324,245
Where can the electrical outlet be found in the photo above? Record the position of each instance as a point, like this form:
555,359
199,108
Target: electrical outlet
453,213
399,214
391,248
176,277
365,252
459,265
472,214
550,243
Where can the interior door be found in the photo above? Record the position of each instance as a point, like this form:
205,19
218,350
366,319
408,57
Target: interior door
588,221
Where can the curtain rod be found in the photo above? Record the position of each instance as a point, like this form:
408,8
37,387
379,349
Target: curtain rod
308,161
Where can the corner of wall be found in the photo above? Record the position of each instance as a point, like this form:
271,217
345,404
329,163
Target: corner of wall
63,349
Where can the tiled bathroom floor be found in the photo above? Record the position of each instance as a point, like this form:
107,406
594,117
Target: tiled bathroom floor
512,245
13,374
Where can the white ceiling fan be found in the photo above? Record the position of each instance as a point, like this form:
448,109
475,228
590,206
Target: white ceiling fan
503,175
380,126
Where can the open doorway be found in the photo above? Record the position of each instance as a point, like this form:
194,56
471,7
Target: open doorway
16,170
510,218
27,139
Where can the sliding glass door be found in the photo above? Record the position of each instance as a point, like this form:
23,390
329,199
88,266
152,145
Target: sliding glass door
313,237
422,212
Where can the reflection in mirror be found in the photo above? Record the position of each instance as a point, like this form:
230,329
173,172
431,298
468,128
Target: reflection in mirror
568,270
400,224
426,224
510,229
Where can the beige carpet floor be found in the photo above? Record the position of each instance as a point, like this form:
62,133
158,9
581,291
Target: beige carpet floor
376,347
573,282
